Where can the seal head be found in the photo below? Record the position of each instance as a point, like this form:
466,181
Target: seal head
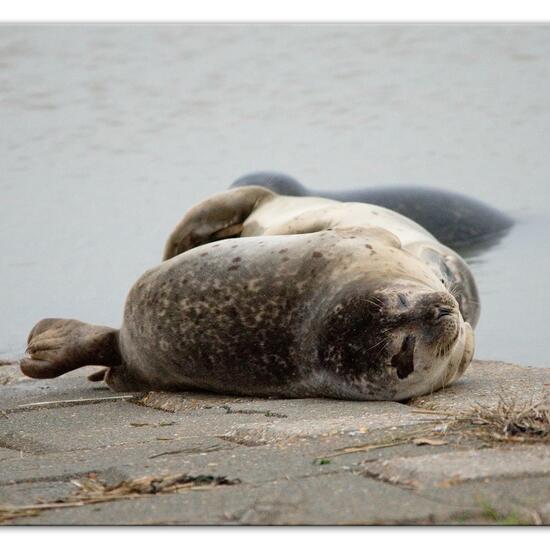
394,332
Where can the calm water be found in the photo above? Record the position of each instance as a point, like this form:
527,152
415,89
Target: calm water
108,134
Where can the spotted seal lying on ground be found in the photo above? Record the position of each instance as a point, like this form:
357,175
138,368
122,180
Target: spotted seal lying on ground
322,298
456,220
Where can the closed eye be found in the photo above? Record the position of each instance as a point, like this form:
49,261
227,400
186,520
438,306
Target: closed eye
403,300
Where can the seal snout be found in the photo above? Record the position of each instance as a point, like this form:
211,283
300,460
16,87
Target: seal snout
439,307
441,321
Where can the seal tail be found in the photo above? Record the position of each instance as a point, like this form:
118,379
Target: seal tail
58,346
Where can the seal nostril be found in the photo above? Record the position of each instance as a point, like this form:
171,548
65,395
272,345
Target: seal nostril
403,300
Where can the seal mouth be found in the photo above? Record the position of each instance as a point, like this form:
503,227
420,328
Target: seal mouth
442,328
447,340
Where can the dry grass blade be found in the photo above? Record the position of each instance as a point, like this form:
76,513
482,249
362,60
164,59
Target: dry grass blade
88,400
513,422
507,422
428,411
361,448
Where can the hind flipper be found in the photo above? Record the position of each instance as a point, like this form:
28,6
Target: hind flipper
57,346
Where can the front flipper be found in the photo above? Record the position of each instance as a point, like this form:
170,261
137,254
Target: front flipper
57,346
218,217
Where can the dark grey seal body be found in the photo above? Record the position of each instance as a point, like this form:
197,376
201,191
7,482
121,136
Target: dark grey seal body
457,221
337,313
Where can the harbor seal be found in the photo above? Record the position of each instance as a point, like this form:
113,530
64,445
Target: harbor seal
458,221
306,306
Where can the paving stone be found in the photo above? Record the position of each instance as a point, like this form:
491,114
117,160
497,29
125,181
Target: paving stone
518,500
374,416
194,455
448,468
72,386
31,493
102,425
133,459
321,499
184,402
294,418
317,499
485,383
205,455
544,512
10,374
270,408
9,453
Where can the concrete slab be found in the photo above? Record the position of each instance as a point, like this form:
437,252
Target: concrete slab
373,416
195,455
104,424
321,499
450,468
71,386
282,419
485,383
503,501
10,373
132,459
35,492
9,453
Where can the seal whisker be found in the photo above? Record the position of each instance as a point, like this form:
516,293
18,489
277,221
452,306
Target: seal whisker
378,303
382,341
383,348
